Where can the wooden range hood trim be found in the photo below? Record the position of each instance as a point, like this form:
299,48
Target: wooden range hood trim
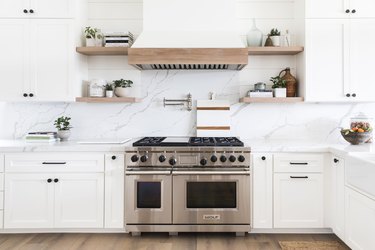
231,56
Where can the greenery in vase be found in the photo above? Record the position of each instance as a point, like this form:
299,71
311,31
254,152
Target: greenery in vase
123,83
278,82
92,33
63,123
108,87
274,32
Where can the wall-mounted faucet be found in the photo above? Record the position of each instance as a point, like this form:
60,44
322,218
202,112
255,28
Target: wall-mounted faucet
180,102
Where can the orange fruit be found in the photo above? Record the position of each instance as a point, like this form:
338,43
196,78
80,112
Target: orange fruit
360,130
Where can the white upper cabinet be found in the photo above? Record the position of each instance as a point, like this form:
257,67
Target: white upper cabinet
326,9
362,9
37,8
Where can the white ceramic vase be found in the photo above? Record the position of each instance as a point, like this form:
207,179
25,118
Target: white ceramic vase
90,42
109,93
275,41
254,36
122,92
279,92
63,134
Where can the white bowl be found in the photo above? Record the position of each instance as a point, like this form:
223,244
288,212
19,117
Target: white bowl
122,92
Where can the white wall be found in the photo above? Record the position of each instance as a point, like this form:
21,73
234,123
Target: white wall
314,122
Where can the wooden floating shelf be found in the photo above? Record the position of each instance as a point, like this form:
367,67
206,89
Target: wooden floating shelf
108,100
271,100
103,51
269,51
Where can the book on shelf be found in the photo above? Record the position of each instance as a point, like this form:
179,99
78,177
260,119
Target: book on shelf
265,94
41,137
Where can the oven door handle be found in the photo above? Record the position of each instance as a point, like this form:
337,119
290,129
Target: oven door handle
148,173
211,173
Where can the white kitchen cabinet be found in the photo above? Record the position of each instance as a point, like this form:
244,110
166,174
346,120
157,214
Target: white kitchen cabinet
37,63
262,190
36,9
360,220
28,201
338,196
114,190
298,200
79,200
339,9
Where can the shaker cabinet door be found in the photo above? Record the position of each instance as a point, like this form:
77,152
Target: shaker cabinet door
326,9
338,197
14,9
52,9
362,9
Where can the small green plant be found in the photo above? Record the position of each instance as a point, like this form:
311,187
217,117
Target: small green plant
278,82
108,87
123,83
63,123
274,32
92,33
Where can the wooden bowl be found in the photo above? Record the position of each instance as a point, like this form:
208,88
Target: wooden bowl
355,138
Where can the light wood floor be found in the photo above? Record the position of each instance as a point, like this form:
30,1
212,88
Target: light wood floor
153,241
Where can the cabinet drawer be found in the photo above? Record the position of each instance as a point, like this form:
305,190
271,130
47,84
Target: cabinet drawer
1,200
54,162
298,163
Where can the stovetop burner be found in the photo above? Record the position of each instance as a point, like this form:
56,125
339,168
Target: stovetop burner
189,142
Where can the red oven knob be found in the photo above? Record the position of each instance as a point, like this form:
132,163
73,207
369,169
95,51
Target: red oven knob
241,158
173,161
134,158
232,158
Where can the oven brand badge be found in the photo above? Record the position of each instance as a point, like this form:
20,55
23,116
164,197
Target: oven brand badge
211,217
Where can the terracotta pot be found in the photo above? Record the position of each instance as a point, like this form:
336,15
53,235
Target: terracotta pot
291,82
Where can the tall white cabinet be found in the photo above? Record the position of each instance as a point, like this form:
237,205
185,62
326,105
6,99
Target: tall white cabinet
39,62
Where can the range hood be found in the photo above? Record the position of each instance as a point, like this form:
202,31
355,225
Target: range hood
188,35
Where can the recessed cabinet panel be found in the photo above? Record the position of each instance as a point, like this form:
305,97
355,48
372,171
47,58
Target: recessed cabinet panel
52,9
363,9
326,9
14,9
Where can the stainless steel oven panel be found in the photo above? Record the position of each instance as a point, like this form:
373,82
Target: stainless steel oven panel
162,215
238,215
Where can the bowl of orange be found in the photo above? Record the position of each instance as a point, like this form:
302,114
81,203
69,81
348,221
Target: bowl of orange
357,135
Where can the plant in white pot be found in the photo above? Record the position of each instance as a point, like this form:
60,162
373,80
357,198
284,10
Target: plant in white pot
122,87
279,87
108,90
275,37
93,37
63,127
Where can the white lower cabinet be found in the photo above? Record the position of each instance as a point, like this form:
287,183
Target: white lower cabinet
360,220
298,200
262,190
338,197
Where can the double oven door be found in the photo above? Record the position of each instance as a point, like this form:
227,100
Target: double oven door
149,197
205,197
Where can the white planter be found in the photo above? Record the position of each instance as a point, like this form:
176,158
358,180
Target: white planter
279,92
90,42
63,134
109,93
275,41
122,92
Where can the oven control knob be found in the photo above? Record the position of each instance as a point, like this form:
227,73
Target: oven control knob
203,161
173,161
223,158
241,158
162,158
214,158
134,158
232,158
144,158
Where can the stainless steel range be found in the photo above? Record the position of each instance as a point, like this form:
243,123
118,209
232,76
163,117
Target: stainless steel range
187,185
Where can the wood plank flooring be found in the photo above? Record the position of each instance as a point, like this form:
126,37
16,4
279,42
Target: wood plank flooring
154,241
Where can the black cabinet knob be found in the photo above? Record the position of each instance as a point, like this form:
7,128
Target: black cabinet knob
347,95
56,180
114,157
203,162
25,95
335,160
134,158
31,95
354,11
354,95
144,158
241,158
223,158
347,11
232,158
162,158
173,161
49,180
214,158
264,158
31,11
25,11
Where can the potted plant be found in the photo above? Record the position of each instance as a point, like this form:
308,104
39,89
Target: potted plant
275,37
63,127
93,37
279,86
121,87
108,90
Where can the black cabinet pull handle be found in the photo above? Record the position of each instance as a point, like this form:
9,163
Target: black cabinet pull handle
354,11
347,11
299,177
354,95
31,11
49,180
25,11
335,160
56,180
25,95
31,95
264,158
53,163
298,163
114,157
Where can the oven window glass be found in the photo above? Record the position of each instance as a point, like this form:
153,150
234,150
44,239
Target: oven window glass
211,195
148,195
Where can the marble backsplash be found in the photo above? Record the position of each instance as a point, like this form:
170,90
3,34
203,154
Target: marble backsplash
304,121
